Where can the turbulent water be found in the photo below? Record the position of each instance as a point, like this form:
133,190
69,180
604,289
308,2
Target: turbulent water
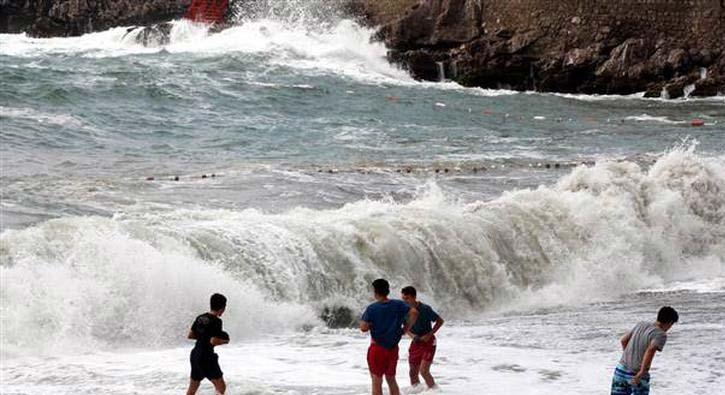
286,163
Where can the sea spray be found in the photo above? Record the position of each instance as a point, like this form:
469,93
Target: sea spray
600,232
81,283
342,47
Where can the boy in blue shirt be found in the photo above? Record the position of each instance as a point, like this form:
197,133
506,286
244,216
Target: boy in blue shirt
386,320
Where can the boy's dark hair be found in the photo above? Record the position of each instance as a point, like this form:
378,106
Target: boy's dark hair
667,315
409,291
217,302
381,287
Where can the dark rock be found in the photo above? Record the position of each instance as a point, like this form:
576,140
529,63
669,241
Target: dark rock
422,65
677,59
656,90
675,89
711,86
615,47
45,18
436,23
338,317
581,57
151,36
625,61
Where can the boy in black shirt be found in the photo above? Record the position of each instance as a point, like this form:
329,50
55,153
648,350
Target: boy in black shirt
207,331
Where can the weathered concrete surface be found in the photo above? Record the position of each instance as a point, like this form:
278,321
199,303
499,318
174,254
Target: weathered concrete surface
587,46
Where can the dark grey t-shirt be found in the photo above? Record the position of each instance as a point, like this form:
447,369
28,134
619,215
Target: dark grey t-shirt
643,334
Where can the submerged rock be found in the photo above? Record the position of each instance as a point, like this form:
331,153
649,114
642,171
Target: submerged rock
151,36
338,317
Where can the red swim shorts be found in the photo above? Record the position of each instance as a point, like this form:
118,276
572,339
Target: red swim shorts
422,351
382,361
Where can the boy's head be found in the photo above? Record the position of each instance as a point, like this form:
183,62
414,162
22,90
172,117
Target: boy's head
381,287
218,303
667,316
408,294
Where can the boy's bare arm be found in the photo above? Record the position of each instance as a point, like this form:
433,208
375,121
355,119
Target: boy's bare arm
410,321
646,363
439,323
191,335
218,341
364,326
625,339
436,327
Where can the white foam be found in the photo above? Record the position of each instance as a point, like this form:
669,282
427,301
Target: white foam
634,96
567,353
343,48
93,283
39,116
601,232
651,118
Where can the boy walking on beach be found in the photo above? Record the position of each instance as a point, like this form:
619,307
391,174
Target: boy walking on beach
387,320
631,376
423,347
208,333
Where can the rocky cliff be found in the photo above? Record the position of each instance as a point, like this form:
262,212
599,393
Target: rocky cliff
667,48
664,47
44,18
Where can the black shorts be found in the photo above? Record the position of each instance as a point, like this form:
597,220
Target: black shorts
204,364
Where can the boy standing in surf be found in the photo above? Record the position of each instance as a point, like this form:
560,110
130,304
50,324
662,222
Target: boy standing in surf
387,320
631,376
208,333
423,347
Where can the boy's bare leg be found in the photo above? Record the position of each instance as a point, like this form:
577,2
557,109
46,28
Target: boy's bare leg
193,387
392,385
425,372
414,374
377,384
219,385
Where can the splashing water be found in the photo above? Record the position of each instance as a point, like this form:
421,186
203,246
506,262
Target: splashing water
601,232
327,167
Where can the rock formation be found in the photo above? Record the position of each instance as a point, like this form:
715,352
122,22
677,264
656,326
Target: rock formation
663,47
45,18
667,48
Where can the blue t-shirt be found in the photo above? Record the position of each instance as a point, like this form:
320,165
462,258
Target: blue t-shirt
426,315
386,321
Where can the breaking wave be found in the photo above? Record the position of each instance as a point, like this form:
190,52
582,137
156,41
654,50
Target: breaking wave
600,232
307,35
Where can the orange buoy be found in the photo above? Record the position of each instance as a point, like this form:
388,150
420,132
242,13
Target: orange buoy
697,122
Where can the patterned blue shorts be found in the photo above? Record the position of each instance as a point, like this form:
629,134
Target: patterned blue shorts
622,382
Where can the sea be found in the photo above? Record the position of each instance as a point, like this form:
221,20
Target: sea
285,163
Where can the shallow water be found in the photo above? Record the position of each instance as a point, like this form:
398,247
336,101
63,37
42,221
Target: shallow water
542,351
541,225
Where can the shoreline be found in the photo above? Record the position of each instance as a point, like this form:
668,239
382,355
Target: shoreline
601,47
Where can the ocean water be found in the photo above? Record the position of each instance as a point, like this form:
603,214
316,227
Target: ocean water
285,163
